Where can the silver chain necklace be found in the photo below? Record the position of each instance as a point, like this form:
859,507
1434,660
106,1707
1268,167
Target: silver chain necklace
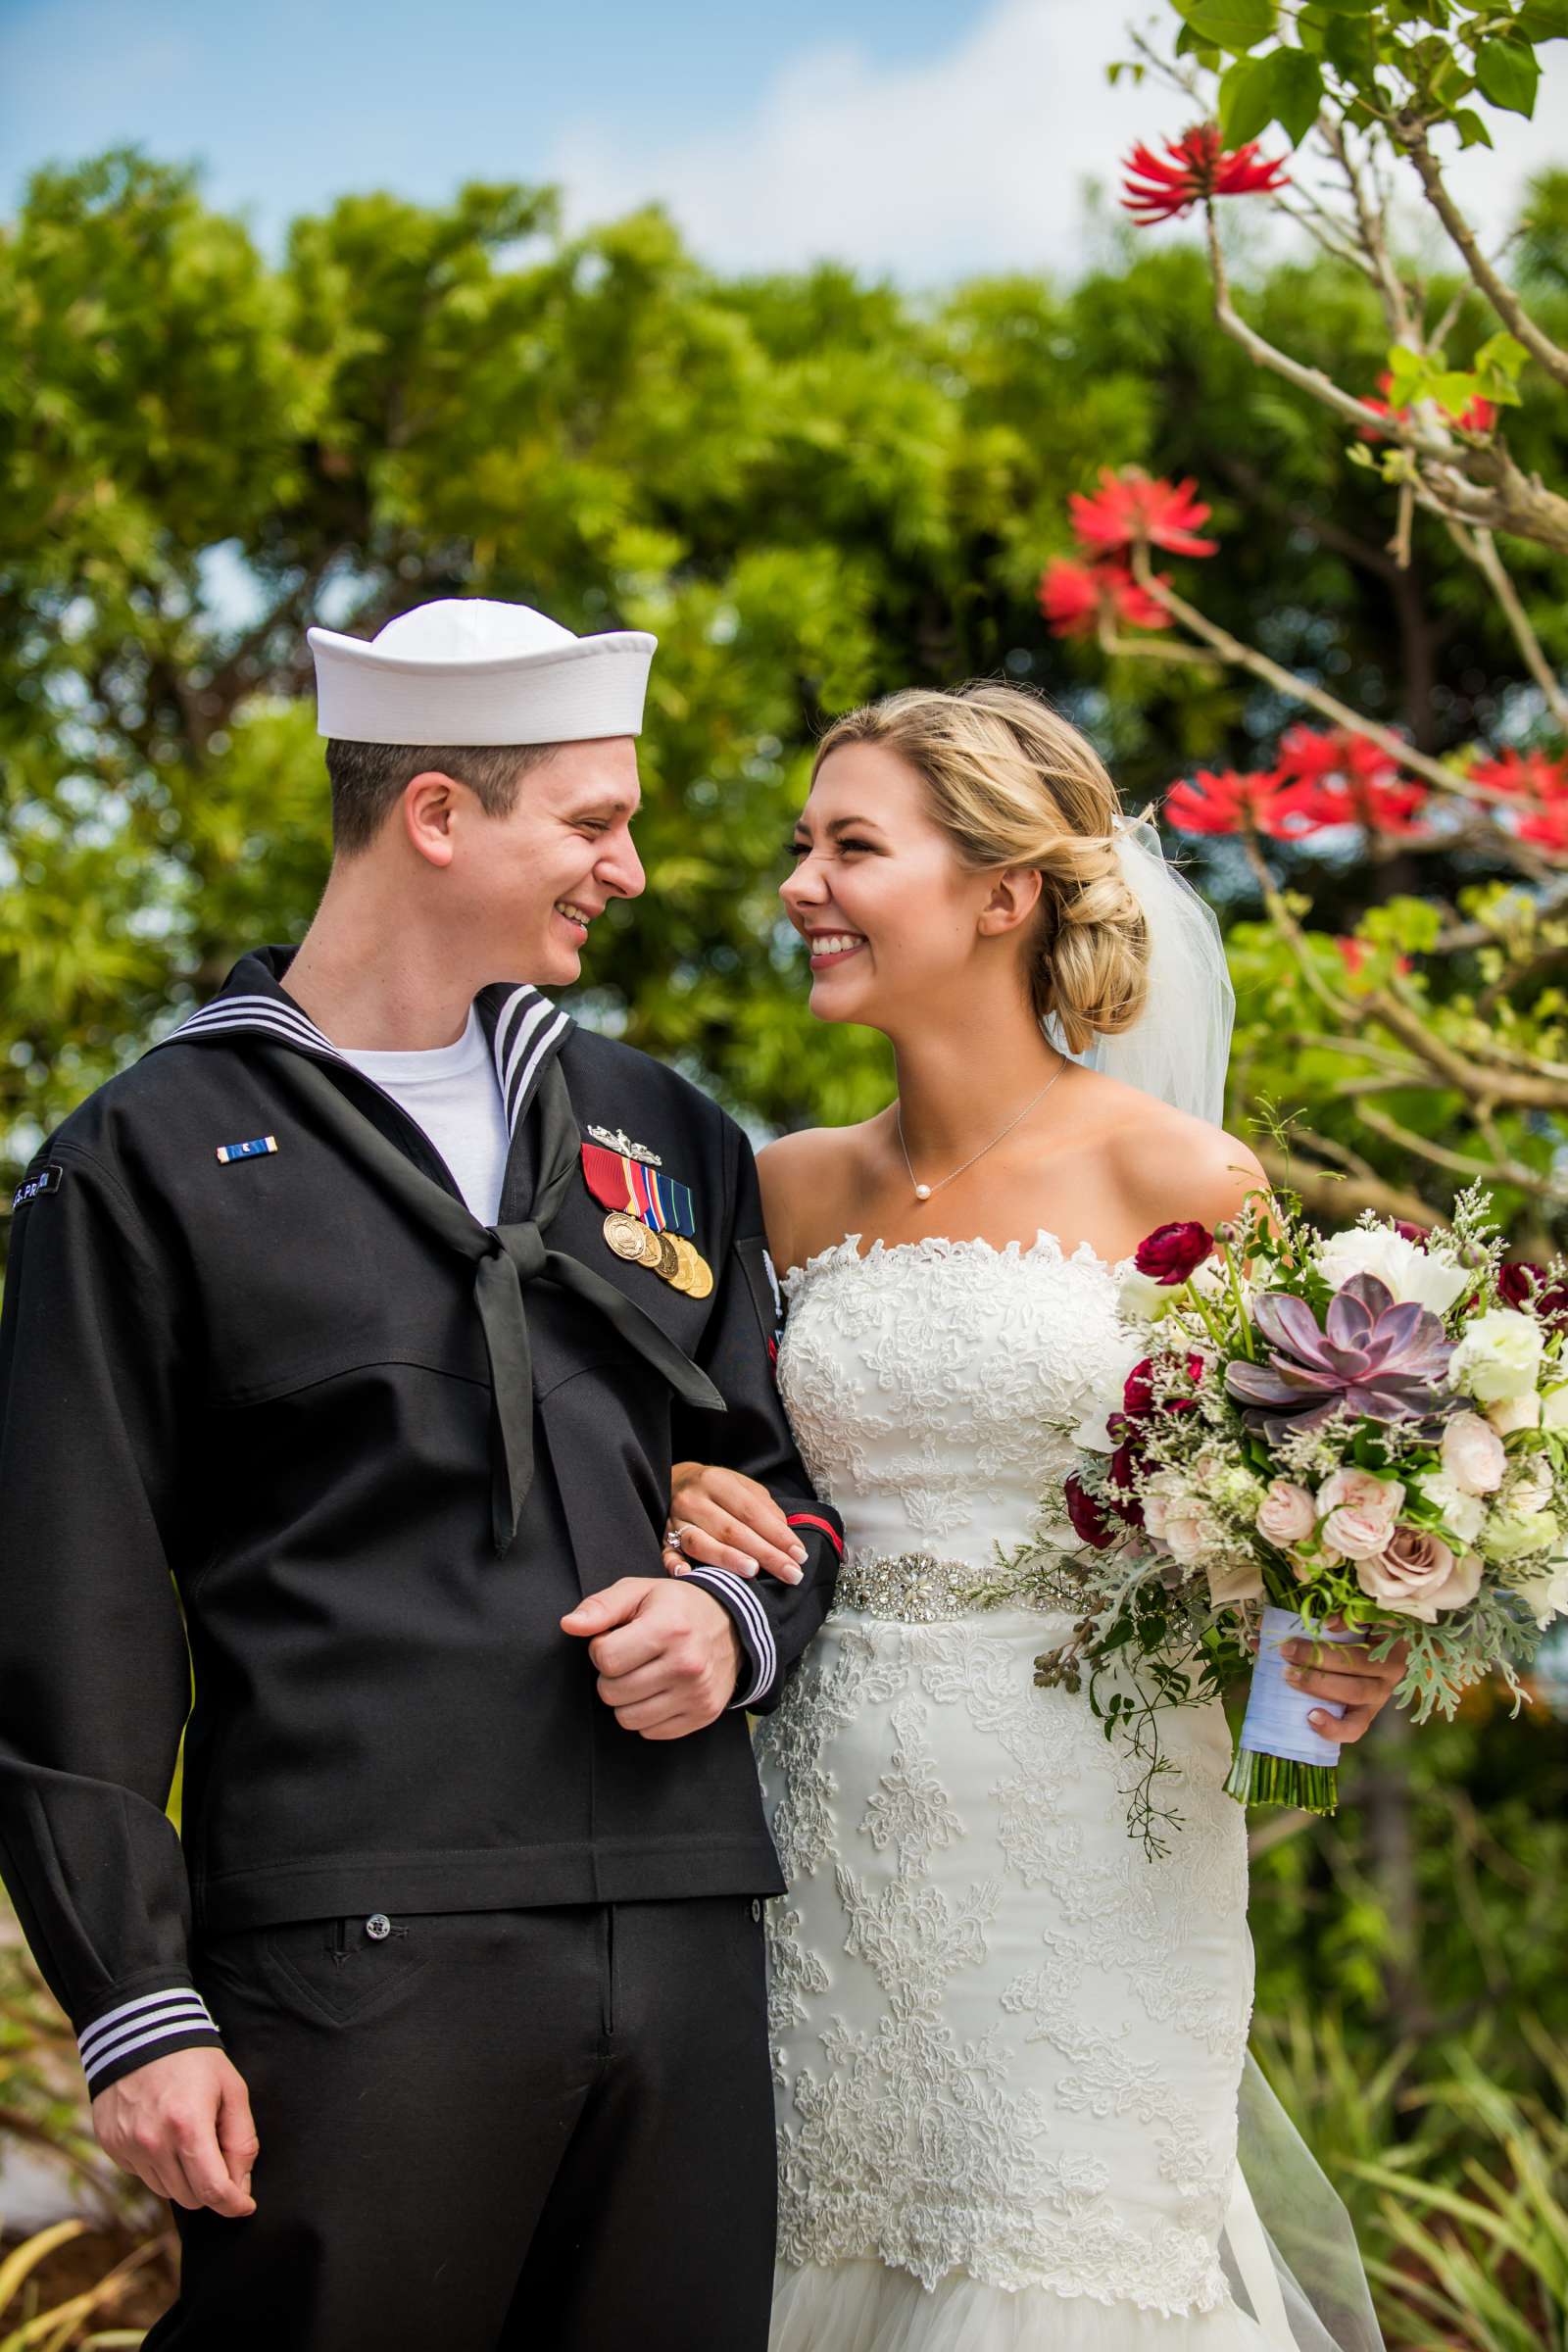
923,1192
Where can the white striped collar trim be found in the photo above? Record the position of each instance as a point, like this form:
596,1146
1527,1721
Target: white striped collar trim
527,1028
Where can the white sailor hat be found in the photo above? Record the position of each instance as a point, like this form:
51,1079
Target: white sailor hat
468,671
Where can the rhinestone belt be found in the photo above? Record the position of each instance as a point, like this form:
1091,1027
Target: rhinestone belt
914,1587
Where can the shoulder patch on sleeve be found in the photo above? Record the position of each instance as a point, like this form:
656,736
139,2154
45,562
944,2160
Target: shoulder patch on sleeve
47,1180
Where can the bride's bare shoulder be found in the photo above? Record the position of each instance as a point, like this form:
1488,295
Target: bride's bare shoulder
1167,1165
809,1179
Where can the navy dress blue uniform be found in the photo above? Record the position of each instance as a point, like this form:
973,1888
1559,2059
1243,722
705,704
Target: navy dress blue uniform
291,1443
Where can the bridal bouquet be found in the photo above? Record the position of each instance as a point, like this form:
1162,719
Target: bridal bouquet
1369,1427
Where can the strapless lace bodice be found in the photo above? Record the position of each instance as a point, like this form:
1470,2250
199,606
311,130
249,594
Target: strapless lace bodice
926,1383
1006,2044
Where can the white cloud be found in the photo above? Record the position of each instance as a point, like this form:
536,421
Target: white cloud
977,161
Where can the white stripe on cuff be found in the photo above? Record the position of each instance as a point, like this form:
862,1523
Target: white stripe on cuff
755,1631
153,2018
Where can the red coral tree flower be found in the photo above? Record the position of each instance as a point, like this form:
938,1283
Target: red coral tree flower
1195,168
1130,508
1230,801
1075,597
1540,786
1345,781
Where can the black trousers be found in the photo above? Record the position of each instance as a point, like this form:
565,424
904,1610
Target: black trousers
493,2131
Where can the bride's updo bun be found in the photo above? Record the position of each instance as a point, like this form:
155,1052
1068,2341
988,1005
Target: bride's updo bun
1013,785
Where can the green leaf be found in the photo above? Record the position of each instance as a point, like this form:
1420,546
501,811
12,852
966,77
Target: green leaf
1472,131
1286,86
1452,393
1299,81
1236,25
1245,99
1351,50
1543,21
1190,44
1509,74
1503,354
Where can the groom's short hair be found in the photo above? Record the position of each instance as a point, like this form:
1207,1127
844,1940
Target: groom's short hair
369,779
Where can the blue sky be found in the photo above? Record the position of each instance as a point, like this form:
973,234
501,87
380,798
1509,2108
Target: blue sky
292,101
913,137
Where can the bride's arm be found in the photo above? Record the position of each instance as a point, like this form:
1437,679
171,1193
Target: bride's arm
726,1519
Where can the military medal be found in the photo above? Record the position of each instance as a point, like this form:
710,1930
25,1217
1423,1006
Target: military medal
625,1235
651,1218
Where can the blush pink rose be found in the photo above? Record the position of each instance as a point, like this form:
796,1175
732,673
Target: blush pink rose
1363,1490
1472,1454
1357,1534
1361,1509
1417,1574
1287,1513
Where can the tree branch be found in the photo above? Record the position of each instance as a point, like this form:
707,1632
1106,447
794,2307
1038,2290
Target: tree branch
1411,134
1481,548
1478,482
1502,1171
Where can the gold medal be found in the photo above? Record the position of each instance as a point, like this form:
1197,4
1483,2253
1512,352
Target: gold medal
696,1278
701,1275
668,1264
627,1236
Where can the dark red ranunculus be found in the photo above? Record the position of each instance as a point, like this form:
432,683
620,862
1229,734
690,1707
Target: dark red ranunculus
1412,1233
1125,1504
1090,1522
1517,1283
1521,1283
1171,1253
1137,1393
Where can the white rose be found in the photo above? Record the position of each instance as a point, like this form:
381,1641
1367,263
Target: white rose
1530,1487
1515,1412
1092,1432
1546,1593
1472,1455
1554,1409
1410,1272
1287,1513
1185,1535
1499,1355
1139,1298
1517,1535
1463,1514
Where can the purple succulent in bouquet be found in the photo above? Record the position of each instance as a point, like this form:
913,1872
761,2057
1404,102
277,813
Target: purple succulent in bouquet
1382,1360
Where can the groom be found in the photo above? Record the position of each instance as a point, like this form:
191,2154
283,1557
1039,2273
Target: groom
347,1338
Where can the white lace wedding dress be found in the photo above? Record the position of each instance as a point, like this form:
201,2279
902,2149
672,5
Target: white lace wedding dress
1007,2046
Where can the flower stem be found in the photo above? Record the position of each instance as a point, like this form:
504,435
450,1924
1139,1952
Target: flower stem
1260,1780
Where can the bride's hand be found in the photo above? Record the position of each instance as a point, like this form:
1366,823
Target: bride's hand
722,1519
1361,1683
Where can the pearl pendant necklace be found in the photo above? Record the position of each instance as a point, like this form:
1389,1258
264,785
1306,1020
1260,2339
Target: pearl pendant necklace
923,1192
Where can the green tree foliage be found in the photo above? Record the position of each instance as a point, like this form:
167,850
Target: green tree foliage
810,487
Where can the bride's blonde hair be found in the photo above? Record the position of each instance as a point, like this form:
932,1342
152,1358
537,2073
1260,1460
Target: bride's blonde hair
1013,785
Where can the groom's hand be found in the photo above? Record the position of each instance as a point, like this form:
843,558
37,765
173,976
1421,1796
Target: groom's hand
667,1654
182,2124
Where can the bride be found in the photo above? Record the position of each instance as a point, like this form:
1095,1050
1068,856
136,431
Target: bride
1008,2049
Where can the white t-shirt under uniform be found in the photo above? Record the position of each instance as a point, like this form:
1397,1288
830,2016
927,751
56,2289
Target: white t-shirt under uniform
452,1093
